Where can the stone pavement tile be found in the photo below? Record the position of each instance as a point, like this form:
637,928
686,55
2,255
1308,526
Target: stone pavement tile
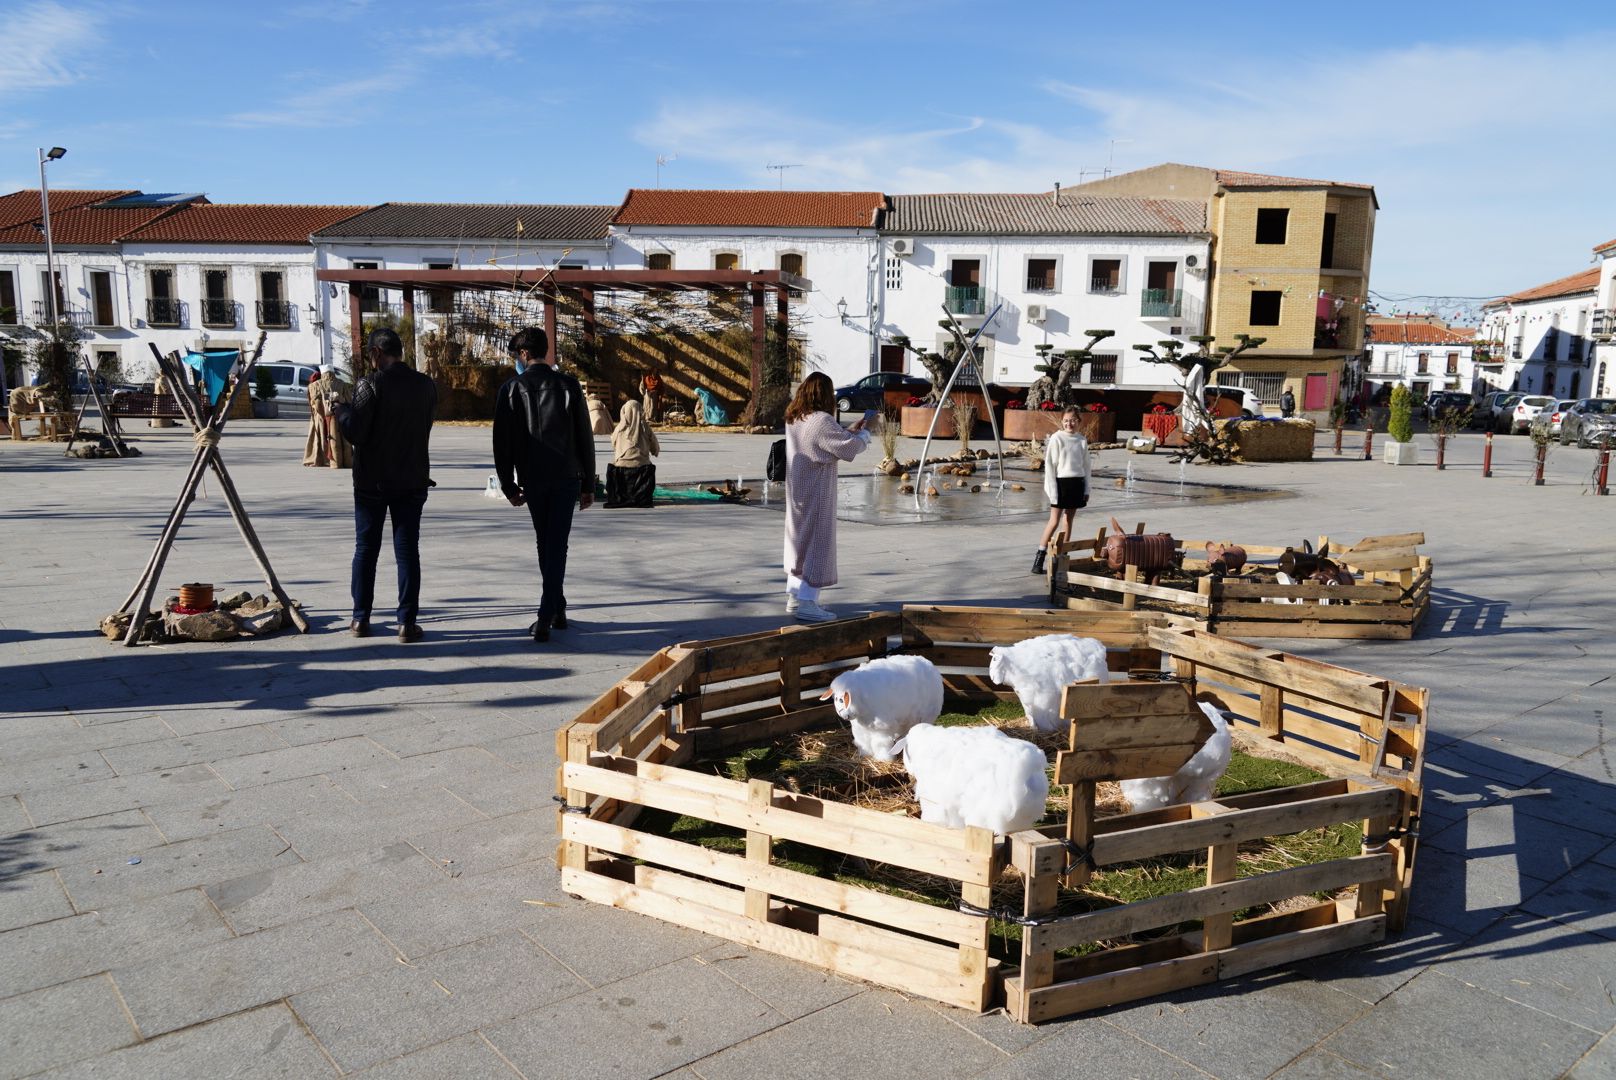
1088,1047
263,1044
84,840
1607,857
1372,972
1245,1028
792,989
458,910
462,765
53,772
215,980
13,818
1598,1063
533,749
1598,764
61,1024
1552,731
175,751
1489,757
332,758
468,1057
524,787
72,801
878,1033
1568,798
638,1028
1467,894
52,952
30,898
359,826
492,844
1323,1065
1436,1025
290,893
604,945
216,716
1584,898
1542,850
399,1008
445,734
75,739
1550,967
329,724
307,797
996,1027
177,866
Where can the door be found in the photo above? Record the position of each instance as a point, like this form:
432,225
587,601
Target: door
892,358
1162,276
1316,393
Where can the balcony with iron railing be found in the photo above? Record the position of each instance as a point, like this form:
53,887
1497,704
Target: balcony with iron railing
965,300
1106,285
218,312
64,313
1604,324
165,311
1161,303
1040,282
275,314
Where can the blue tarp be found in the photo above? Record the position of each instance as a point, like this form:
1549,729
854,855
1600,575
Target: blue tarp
214,366
711,411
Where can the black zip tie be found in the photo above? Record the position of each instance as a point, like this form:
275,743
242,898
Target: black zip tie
1006,915
679,698
1081,856
568,808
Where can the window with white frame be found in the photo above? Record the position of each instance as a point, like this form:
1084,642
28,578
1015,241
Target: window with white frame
1106,274
103,312
8,298
726,260
659,260
1041,273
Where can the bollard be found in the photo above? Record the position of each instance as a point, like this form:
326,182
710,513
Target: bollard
1537,472
1369,444
1487,456
1441,447
1338,442
1602,484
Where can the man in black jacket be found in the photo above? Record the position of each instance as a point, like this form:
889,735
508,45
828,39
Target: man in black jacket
544,453
389,424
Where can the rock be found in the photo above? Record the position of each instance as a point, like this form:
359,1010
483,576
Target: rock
931,491
235,600
962,483
255,606
208,626
907,489
116,625
905,478
975,488
265,622
982,455
1018,487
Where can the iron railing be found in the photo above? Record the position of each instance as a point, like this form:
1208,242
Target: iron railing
1604,322
218,312
1041,282
71,315
275,313
965,300
1104,285
1161,303
164,311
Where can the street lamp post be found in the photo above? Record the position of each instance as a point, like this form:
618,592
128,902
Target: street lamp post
55,153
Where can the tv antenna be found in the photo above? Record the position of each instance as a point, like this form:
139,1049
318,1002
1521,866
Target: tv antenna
781,169
661,160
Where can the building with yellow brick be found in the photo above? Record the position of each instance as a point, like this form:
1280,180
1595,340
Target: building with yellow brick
1289,264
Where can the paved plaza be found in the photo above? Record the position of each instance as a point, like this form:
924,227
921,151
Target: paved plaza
315,855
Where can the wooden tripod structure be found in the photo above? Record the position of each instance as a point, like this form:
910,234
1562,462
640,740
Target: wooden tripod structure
109,422
208,423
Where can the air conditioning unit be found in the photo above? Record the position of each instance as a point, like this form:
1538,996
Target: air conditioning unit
1191,261
1037,312
903,245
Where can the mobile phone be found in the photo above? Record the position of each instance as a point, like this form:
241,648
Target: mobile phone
870,415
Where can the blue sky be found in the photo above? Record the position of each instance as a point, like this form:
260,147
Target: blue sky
1489,130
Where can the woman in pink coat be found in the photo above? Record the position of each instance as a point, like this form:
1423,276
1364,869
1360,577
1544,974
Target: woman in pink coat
815,442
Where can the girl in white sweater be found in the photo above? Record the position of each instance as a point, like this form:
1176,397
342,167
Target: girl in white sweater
1066,480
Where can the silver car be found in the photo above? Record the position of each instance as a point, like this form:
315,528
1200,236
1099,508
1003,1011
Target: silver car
1589,422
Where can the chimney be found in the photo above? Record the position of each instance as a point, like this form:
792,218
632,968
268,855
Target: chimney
1055,195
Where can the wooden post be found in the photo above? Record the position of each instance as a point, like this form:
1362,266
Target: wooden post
550,323
1217,931
973,960
1040,861
356,332
409,313
1080,829
590,330
759,847
1271,718
1130,573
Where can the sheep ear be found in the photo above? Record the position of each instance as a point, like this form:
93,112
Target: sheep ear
900,747
825,696
847,699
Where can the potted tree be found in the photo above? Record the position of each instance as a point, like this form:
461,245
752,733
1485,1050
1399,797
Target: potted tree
264,406
1400,449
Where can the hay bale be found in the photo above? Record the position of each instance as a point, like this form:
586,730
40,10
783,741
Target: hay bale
1272,440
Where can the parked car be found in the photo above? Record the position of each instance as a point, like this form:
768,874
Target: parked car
1247,401
1589,422
289,376
1518,419
1558,415
1445,402
871,391
1489,413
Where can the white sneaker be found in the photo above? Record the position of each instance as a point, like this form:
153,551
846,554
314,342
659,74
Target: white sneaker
791,604
810,612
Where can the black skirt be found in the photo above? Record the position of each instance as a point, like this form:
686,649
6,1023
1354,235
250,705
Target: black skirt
629,487
1071,493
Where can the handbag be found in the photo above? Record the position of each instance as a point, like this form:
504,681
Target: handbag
775,468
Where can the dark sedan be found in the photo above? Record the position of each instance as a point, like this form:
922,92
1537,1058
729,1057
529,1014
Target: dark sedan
879,390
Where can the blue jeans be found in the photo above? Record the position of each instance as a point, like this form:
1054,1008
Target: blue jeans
371,510
551,510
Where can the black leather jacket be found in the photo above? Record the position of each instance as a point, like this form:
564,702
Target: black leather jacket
389,424
541,433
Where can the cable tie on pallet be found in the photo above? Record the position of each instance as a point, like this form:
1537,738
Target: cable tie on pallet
1081,856
1006,915
679,697
568,808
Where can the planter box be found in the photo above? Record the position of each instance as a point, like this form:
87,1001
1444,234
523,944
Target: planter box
916,420
1401,453
1389,601
265,410
1030,425
625,752
1098,426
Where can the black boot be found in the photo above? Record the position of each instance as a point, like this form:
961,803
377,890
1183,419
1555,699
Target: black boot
1038,561
560,620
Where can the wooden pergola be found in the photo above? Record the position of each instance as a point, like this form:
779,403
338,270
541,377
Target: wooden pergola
547,285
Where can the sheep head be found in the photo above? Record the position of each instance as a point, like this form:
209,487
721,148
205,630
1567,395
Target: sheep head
841,699
1001,668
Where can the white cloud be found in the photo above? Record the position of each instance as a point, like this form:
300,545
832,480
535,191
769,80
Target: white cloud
41,44
340,104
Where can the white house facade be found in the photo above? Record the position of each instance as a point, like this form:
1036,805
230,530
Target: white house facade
1053,267
1604,323
1547,335
1424,357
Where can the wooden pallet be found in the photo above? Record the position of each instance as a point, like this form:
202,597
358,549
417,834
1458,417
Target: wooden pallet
625,751
1389,602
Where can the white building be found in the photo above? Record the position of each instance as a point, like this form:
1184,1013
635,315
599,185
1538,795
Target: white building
1424,357
1055,265
1604,323
1546,333
829,237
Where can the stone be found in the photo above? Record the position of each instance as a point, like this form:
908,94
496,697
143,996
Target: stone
207,626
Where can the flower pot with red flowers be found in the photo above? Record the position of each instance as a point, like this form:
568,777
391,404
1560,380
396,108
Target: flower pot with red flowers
1030,425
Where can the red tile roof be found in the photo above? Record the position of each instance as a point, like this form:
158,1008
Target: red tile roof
229,223
785,209
83,226
23,206
1606,246
1583,281
1417,333
1231,178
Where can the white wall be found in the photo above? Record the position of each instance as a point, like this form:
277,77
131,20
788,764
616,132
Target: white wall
1398,362
73,267
914,307
1602,368
1529,352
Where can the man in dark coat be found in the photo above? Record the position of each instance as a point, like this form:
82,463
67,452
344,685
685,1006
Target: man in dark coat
389,424
544,453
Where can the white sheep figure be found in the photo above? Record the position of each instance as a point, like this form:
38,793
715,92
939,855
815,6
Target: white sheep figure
1196,780
1039,668
976,776
1281,578
884,698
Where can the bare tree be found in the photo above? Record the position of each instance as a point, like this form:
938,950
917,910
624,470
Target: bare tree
1201,440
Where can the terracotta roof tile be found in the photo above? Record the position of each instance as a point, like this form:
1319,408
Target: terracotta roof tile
1583,281
490,221
1038,215
782,209
21,207
1416,333
88,226
227,223
1233,178
1606,246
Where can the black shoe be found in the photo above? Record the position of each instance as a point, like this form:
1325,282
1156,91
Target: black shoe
1038,560
409,632
539,631
560,620
359,628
